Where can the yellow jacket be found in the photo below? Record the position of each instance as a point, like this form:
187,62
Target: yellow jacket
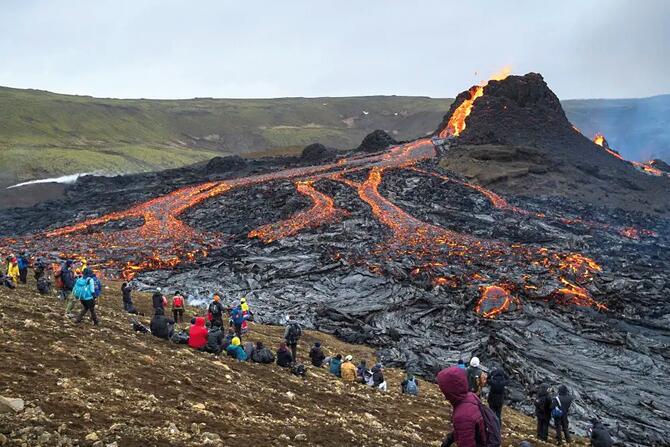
13,271
348,371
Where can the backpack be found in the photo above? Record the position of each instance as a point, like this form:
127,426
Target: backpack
294,333
97,287
177,302
68,278
180,338
491,427
299,370
411,387
214,309
43,285
79,290
557,412
473,379
58,278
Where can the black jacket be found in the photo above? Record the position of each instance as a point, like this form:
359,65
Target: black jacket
157,300
317,356
214,339
284,358
126,293
263,355
600,437
543,403
565,398
160,325
377,376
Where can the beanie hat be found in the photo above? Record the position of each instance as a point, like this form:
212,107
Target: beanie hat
474,362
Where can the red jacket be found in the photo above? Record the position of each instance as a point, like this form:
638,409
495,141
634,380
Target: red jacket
197,335
466,417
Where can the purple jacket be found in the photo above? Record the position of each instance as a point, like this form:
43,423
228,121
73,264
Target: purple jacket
466,417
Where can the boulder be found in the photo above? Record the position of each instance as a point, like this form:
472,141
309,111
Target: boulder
11,405
376,141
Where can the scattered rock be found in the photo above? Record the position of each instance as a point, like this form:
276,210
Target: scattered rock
11,404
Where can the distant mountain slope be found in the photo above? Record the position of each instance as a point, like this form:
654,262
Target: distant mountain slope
638,128
43,134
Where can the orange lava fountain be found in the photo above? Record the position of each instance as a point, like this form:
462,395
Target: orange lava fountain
456,123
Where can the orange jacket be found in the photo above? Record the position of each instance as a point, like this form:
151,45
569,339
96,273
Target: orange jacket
348,371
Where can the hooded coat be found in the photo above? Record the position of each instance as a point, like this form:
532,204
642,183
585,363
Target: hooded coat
543,403
197,334
466,418
160,325
317,356
348,371
284,357
13,271
565,398
214,340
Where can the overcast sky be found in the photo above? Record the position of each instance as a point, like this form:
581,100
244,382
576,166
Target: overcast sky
245,48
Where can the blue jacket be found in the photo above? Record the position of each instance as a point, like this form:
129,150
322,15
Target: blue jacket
238,352
336,366
237,315
83,289
22,261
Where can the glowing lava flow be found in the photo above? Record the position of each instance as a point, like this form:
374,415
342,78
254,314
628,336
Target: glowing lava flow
322,211
494,301
456,123
600,140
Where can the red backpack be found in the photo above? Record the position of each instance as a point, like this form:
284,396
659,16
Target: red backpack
58,277
177,302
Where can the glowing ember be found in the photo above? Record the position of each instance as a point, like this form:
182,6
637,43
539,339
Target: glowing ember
456,123
576,295
494,301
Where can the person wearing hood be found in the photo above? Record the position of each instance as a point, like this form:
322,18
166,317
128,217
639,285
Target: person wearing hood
466,418
348,370
235,350
378,380
335,365
461,364
22,262
360,371
84,291
197,334
410,385
316,355
497,384
215,340
161,326
543,411
262,354
284,358
600,437
560,409
13,270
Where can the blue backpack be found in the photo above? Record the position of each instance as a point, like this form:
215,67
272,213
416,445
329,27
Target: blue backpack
97,287
411,387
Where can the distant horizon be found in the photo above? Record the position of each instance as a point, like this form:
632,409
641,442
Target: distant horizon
622,98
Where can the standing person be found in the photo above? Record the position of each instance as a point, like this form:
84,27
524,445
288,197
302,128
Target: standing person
284,358
348,370
161,326
178,308
543,411
238,318
461,364
466,416
378,380
215,310
23,261
410,385
65,280
197,334
40,269
560,408
292,335
84,290
600,437
13,269
157,300
474,376
126,291
246,312
316,355
497,384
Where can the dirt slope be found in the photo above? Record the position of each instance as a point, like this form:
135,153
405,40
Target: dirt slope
109,386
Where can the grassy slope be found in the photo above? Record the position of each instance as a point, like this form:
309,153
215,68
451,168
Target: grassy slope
46,134
129,387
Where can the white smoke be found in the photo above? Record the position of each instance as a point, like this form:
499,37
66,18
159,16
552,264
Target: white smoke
64,179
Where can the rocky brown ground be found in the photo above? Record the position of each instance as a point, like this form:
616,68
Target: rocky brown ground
110,386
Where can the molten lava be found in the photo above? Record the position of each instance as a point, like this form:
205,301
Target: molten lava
496,300
456,123
322,211
600,140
